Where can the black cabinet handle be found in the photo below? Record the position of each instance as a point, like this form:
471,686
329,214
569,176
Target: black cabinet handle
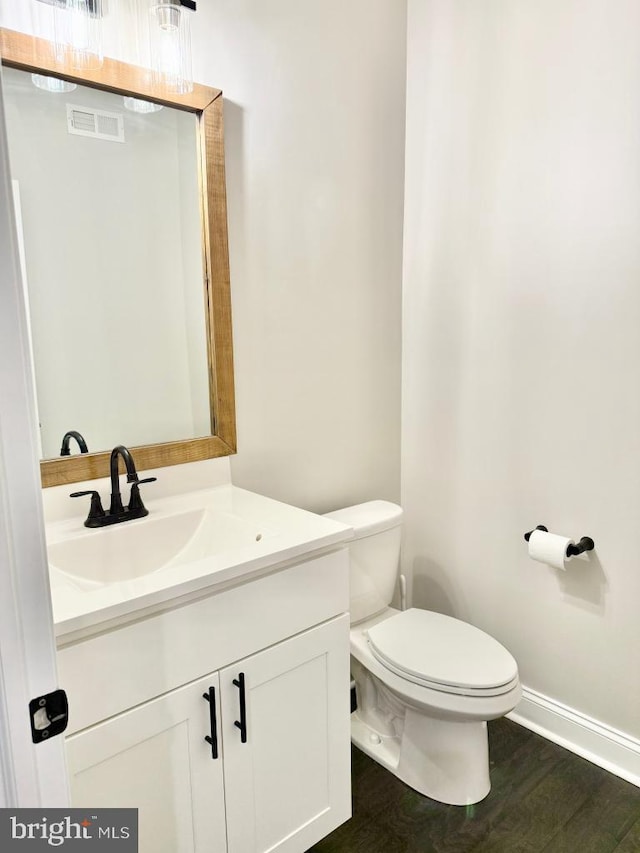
242,725
213,739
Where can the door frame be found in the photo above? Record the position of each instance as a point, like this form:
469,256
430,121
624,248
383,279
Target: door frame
30,775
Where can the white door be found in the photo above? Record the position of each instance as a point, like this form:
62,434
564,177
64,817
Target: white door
30,775
155,758
288,785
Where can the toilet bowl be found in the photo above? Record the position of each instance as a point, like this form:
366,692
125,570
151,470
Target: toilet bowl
426,683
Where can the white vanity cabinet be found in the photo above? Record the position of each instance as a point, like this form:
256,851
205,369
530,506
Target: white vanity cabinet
285,787
138,739
154,758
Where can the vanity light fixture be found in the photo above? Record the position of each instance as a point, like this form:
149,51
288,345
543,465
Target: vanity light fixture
52,84
77,26
137,105
170,44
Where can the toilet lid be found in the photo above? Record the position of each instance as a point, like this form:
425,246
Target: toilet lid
431,647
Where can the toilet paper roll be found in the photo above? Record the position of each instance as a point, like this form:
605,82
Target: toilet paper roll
549,548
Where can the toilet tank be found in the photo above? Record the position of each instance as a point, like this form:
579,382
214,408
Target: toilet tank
374,555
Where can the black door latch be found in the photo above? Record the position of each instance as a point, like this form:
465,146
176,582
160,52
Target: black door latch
49,715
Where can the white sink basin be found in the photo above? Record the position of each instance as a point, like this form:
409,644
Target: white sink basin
189,542
133,549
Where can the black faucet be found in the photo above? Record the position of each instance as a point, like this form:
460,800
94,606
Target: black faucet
116,507
65,450
117,512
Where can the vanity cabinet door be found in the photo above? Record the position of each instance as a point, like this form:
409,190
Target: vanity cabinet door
288,785
155,758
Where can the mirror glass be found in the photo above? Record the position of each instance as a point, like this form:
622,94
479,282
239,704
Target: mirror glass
108,205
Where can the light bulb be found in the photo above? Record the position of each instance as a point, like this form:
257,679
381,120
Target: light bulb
168,16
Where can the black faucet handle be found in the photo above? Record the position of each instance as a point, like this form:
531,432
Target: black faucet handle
91,492
136,506
96,509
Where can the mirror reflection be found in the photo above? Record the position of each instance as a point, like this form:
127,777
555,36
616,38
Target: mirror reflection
109,223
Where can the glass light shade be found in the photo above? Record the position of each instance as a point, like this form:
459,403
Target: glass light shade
52,84
78,33
137,105
170,43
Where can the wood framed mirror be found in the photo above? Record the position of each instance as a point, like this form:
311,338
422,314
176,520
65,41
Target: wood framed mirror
36,56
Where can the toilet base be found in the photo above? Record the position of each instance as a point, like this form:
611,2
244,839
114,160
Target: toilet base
435,741
445,760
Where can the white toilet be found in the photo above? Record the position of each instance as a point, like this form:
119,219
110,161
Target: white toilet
426,683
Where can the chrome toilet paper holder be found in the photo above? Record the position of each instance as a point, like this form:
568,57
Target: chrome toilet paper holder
585,544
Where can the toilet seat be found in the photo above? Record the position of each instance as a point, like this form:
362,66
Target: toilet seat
442,653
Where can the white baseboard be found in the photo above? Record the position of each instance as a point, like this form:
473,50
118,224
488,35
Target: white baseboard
608,748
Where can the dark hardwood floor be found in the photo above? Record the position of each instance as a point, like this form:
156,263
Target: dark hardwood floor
543,798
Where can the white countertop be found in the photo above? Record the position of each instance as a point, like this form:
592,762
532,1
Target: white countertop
283,533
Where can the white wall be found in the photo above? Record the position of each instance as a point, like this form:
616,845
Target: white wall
314,116
521,386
